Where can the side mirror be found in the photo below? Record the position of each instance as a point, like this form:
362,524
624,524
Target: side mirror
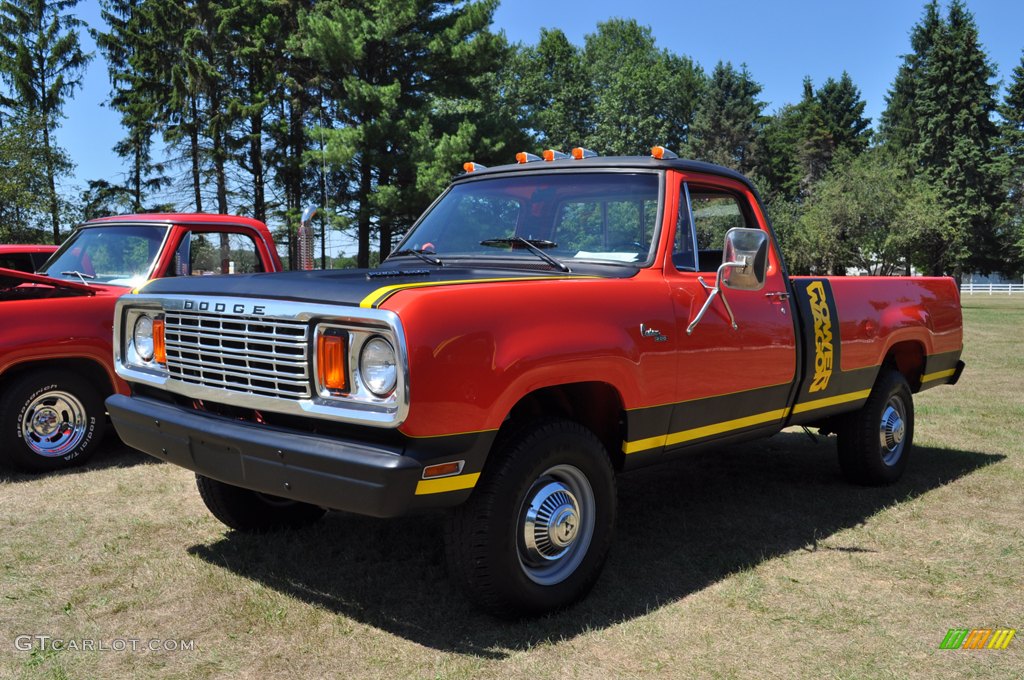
744,267
749,246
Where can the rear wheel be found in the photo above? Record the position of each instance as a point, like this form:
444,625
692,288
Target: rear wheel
250,511
876,441
534,535
50,420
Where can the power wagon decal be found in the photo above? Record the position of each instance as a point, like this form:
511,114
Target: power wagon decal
826,388
823,347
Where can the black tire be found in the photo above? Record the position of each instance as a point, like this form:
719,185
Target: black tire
876,441
50,420
511,572
252,512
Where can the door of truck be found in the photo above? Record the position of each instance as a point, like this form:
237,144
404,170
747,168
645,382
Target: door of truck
730,380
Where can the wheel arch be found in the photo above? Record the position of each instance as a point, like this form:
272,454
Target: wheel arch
908,357
597,406
90,369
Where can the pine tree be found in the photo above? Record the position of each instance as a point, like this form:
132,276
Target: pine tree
899,122
831,120
777,168
42,63
385,65
550,87
124,45
939,115
728,120
1011,142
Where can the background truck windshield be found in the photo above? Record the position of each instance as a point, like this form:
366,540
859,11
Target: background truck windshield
118,255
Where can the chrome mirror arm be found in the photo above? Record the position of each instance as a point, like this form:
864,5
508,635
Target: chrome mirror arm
716,291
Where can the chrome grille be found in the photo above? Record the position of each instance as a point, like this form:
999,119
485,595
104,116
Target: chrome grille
248,354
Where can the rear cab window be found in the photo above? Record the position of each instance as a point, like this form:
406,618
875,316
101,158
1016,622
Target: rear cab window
205,253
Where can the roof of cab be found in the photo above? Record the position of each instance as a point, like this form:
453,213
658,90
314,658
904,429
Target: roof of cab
26,248
179,218
609,163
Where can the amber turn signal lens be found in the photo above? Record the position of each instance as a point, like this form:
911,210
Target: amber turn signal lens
330,362
443,469
159,342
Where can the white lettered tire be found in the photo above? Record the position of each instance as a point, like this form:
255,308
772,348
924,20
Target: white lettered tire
49,420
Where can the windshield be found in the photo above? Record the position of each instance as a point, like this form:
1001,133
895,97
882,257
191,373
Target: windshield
603,217
116,255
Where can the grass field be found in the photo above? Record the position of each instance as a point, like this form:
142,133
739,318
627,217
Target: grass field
755,561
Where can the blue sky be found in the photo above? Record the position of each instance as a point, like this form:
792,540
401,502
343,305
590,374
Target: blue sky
781,42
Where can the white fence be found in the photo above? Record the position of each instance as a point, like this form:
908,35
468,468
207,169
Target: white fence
991,288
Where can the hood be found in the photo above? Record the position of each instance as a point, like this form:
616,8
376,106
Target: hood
355,287
11,278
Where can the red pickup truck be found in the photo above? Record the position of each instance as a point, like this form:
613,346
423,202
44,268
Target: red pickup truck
543,326
56,359
24,258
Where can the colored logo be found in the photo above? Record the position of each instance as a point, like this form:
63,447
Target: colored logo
979,638
822,336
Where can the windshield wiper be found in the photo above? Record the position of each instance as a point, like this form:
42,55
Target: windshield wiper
534,245
422,254
79,275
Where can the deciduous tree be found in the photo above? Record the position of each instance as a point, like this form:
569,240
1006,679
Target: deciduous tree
42,63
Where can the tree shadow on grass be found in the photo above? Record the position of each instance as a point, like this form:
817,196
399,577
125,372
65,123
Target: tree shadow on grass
681,527
112,453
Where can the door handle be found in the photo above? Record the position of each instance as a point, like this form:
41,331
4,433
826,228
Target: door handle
780,295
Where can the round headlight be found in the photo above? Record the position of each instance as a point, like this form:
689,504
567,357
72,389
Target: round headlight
378,366
143,337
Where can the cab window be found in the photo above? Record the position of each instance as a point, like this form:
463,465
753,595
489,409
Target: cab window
714,213
203,253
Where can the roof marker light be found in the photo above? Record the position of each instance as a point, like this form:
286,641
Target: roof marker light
552,155
579,153
662,154
526,157
473,167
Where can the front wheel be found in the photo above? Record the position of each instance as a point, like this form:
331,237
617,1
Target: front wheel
50,420
876,441
534,535
250,511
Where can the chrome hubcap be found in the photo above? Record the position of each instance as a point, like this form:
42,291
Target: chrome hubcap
556,525
892,431
53,424
552,523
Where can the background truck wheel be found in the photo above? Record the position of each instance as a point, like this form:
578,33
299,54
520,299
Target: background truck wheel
534,535
50,420
250,511
875,441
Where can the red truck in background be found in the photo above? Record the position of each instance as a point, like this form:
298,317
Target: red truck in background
24,258
542,326
56,358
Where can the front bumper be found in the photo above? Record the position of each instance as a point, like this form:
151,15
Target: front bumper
369,479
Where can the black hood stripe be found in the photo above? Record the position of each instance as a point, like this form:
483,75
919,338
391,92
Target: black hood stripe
340,287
